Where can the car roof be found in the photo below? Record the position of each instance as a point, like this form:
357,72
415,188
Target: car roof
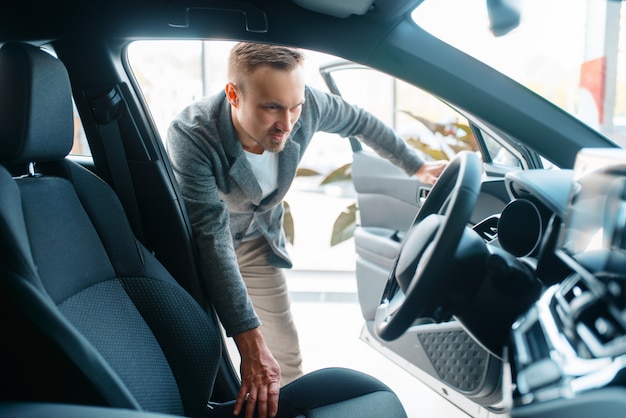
276,21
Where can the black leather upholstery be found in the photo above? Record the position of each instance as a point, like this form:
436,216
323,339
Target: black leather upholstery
88,315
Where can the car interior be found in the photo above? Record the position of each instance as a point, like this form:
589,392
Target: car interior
501,287
82,284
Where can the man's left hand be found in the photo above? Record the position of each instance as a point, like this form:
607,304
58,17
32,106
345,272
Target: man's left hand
429,172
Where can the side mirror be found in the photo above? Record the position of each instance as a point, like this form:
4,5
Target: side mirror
504,15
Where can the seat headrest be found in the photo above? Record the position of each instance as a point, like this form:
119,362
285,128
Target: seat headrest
36,116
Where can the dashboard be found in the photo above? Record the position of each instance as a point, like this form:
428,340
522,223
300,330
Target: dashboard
569,227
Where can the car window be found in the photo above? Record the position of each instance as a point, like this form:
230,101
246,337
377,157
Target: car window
80,145
419,118
172,74
424,121
498,154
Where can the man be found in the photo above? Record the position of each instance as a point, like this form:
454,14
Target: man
235,156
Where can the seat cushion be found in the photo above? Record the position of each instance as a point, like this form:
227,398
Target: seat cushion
339,392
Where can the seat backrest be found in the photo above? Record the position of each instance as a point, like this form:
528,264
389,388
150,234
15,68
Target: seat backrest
87,313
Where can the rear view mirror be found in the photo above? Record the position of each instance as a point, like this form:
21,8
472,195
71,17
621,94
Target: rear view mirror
504,15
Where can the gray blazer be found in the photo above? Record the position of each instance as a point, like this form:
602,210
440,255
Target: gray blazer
223,197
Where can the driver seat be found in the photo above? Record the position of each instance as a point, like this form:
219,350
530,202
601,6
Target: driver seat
88,315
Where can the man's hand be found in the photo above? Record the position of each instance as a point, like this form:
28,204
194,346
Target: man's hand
430,171
260,376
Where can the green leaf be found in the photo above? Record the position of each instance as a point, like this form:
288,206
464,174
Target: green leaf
306,172
343,173
288,224
344,226
436,154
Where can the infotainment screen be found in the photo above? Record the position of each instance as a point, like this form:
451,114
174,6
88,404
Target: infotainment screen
596,216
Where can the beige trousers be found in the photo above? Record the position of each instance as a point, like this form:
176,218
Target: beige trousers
267,288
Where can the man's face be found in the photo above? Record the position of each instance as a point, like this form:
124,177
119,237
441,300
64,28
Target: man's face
265,112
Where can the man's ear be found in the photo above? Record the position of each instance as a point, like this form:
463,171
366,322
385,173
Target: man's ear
232,94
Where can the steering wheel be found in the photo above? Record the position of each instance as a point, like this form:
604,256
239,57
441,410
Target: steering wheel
418,281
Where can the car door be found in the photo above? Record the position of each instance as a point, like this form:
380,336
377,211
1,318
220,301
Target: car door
388,201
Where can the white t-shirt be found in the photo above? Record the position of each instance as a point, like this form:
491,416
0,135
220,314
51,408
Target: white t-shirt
265,169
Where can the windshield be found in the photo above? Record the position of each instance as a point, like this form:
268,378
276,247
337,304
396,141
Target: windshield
571,52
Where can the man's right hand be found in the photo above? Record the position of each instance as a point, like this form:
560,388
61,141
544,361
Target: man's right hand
260,376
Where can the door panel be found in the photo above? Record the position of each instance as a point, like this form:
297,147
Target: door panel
387,196
376,250
388,201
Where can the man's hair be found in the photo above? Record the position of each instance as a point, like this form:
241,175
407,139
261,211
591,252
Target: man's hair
245,57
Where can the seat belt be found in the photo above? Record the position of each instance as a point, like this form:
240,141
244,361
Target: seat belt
108,110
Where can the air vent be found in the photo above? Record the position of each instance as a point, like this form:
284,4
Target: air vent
574,293
488,228
602,332
594,315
